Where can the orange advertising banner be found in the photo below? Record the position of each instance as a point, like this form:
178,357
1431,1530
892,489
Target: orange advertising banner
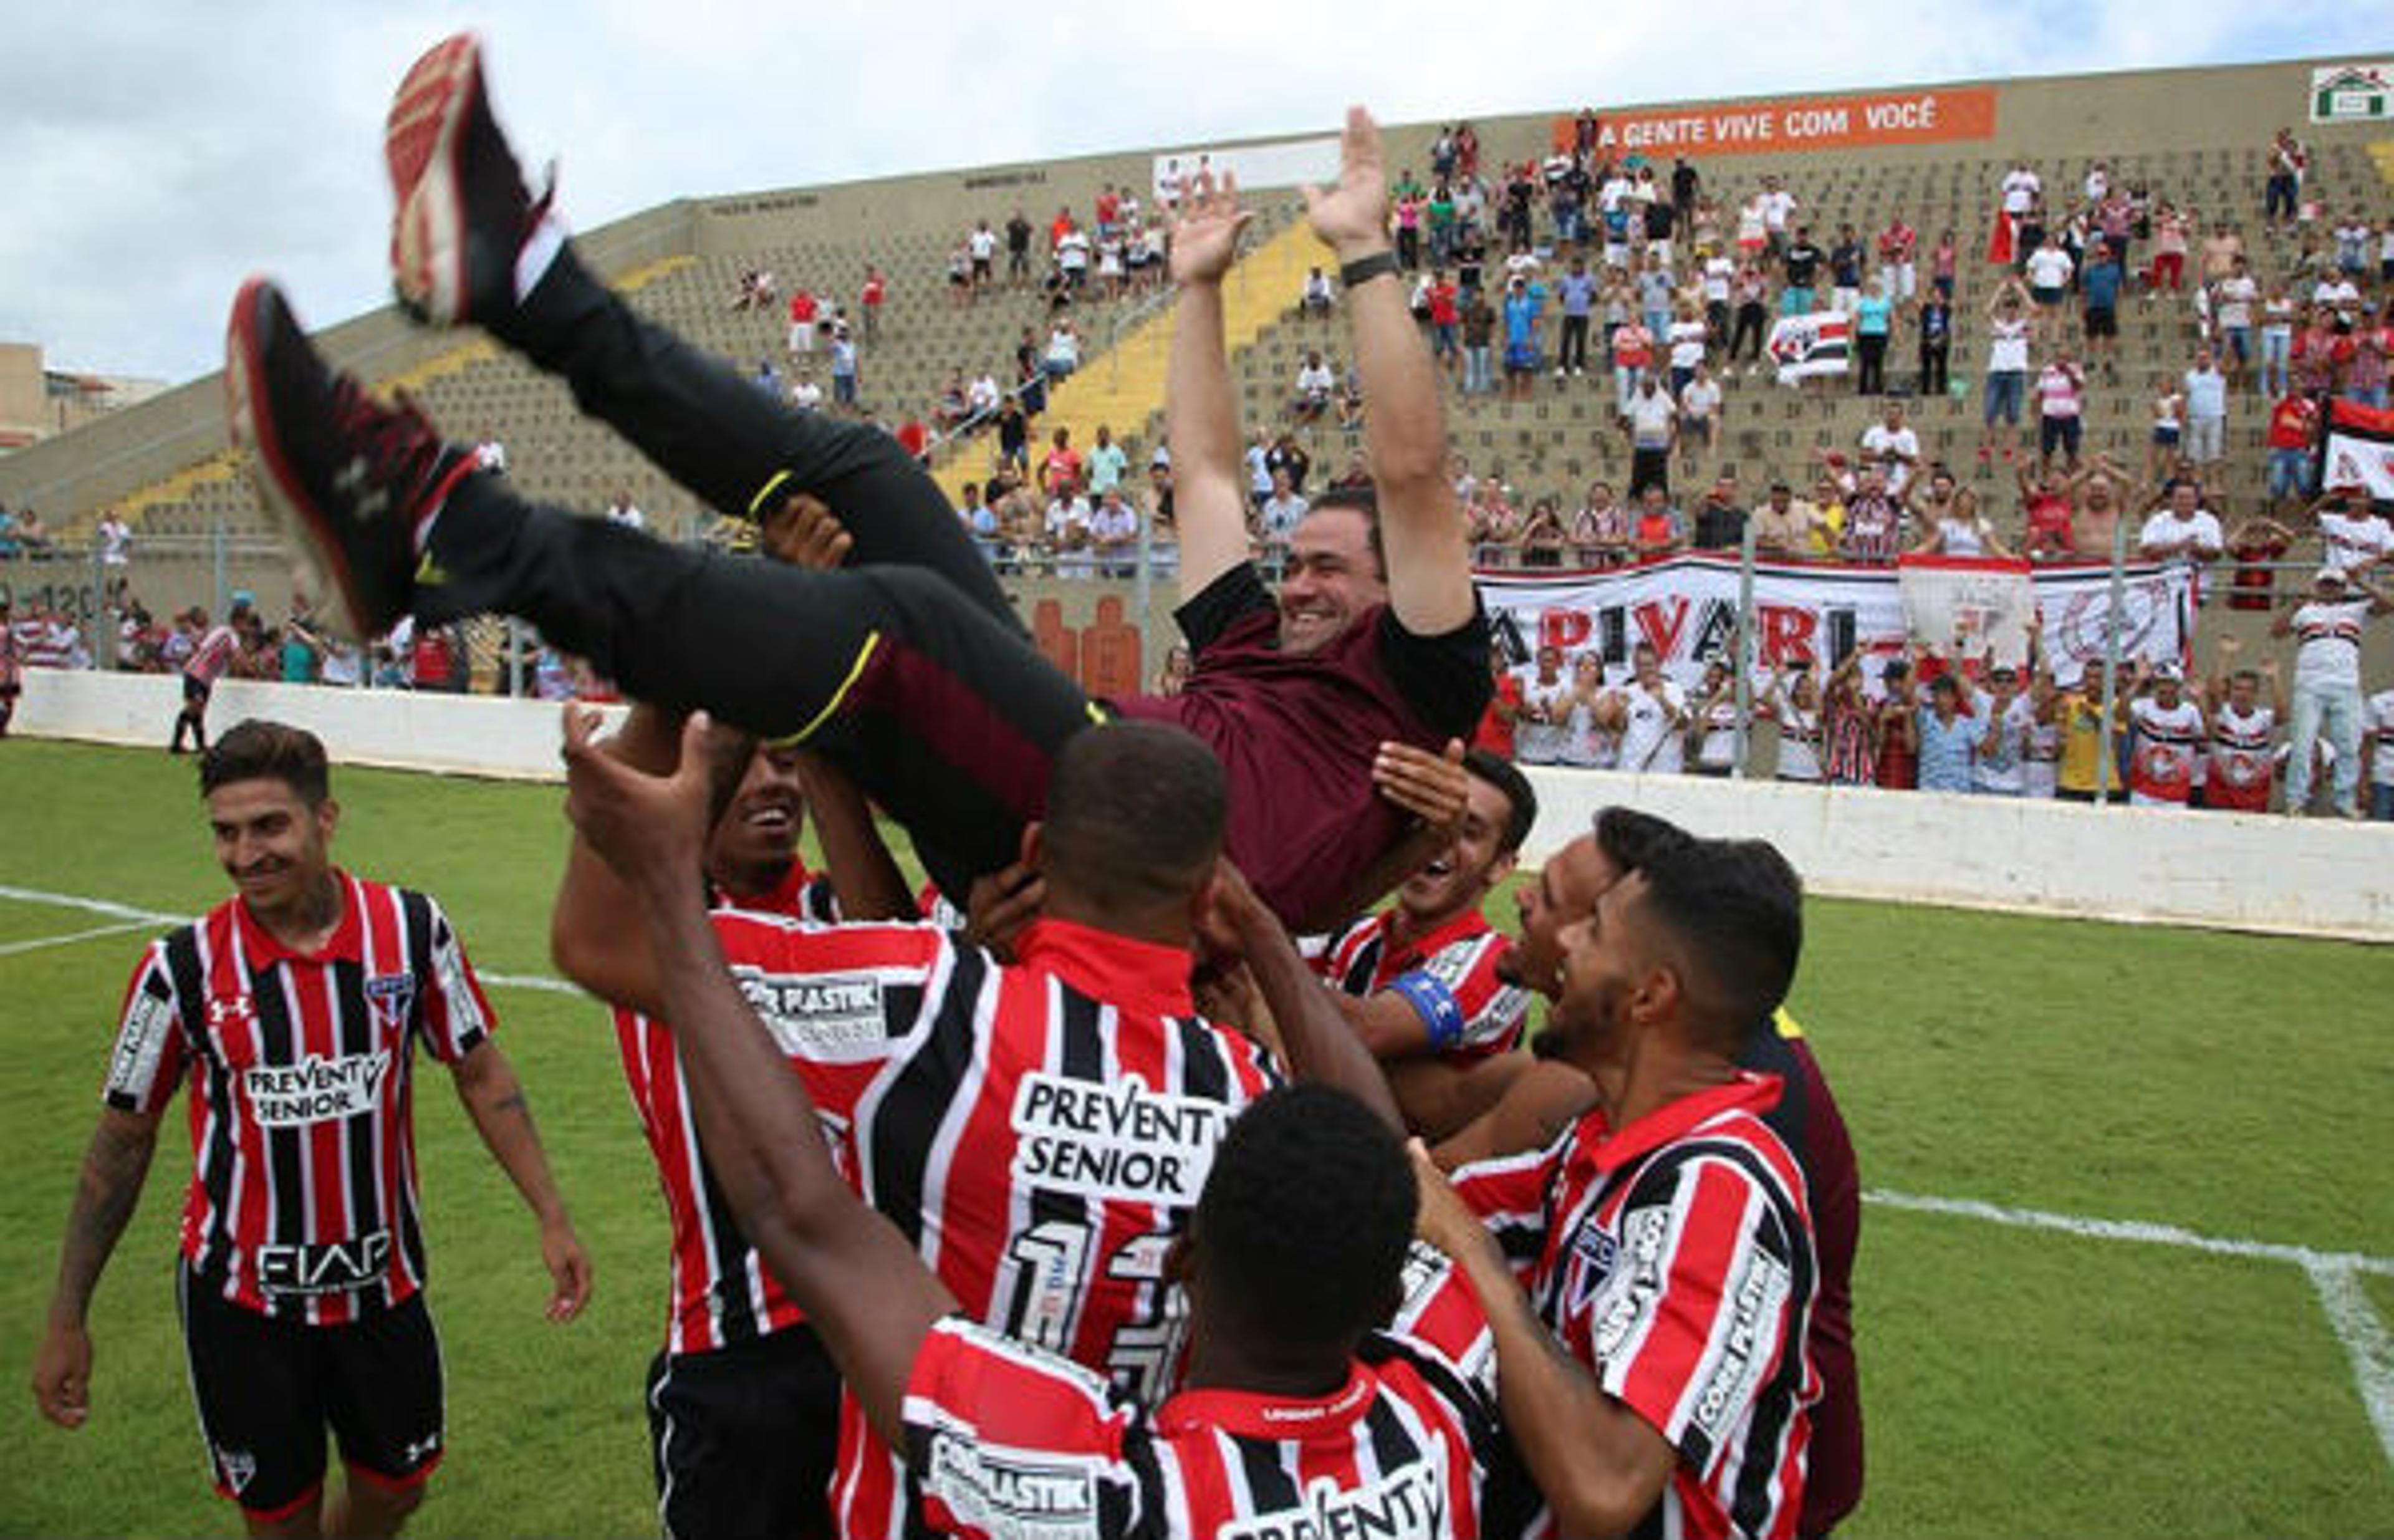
1793,125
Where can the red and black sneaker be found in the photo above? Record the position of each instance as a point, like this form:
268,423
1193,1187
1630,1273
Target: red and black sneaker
463,214
350,482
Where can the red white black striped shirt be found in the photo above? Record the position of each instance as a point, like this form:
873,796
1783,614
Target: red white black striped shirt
1040,1131
721,1292
1448,977
1676,1259
213,654
1007,1441
302,1202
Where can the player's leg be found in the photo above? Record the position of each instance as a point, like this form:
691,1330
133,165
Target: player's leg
383,1397
469,243
261,1414
941,713
745,1437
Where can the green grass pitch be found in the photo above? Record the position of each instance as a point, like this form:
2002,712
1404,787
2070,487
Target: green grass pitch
2016,1381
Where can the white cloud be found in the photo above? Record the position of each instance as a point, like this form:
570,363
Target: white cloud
158,152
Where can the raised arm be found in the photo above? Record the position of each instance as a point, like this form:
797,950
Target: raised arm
1201,420
1318,1042
1404,434
861,1285
1600,1467
595,935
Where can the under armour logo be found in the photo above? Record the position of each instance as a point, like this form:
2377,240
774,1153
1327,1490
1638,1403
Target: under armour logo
422,1449
225,1009
354,481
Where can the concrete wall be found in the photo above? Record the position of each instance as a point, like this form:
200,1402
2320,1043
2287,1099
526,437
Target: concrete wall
2252,871
2325,878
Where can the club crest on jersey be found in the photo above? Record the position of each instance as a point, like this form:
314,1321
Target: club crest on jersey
390,996
1594,1253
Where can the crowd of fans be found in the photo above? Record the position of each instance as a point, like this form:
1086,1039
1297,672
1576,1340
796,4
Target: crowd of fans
1536,275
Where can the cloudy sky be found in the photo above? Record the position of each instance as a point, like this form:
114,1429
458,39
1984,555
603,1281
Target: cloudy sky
155,152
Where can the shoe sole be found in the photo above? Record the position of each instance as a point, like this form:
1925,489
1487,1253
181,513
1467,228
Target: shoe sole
321,565
420,142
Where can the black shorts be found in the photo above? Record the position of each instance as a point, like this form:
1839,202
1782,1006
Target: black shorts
266,1388
2102,320
745,1439
195,690
980,267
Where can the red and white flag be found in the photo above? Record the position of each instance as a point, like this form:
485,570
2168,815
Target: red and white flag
2360,453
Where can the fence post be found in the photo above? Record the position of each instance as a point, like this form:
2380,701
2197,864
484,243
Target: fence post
1747,657
2106,765
216,550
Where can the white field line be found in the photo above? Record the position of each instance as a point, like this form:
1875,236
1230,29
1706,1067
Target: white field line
2365,1343
2333,1274
2131,1229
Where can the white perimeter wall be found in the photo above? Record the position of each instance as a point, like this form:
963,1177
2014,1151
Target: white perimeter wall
2249,872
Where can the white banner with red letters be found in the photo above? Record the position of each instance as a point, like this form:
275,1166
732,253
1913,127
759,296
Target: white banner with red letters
1686,607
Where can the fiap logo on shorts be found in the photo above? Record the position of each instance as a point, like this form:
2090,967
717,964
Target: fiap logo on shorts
390,996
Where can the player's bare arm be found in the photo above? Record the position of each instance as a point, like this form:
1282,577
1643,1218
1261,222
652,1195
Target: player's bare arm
864,1287
863,871
115,1167
1600,1467
1544,1097
1315,1038
1201,420
595,935
1404,434
494,1098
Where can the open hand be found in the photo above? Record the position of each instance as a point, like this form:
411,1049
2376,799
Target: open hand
1352,217
1206,236
651,829
1433,787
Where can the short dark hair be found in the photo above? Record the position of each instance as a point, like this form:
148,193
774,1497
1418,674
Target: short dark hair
1305,1218
1630,838
1506,777
1136,813
255,749
1364,498
1737,909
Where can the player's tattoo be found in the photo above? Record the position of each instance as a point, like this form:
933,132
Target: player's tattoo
110,1188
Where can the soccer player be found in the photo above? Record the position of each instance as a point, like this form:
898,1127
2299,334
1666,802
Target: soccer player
1540,1100
741,1377
293,1009
1421,982
908,670
1041,1129
211,656
1650,1277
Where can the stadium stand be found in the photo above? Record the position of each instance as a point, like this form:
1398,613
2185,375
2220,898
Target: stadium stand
2197,137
